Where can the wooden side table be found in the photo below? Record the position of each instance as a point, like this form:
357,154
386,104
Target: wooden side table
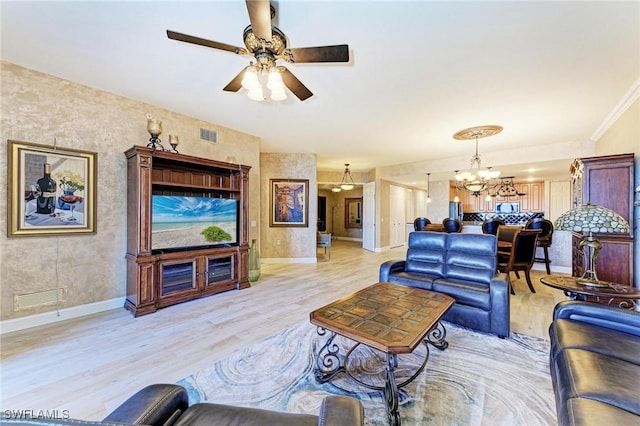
613,294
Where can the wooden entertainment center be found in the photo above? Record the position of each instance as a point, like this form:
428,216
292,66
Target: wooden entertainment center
159,278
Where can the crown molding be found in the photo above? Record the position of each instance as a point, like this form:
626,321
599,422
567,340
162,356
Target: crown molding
629,98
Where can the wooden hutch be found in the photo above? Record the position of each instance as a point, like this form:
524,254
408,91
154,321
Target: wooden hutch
606,181
159,278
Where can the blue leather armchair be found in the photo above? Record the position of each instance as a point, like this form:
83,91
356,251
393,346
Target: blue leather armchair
595,364
462,266
168,405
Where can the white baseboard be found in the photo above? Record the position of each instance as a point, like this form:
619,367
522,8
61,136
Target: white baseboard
17,324
359,240
289,260
381,249
554,269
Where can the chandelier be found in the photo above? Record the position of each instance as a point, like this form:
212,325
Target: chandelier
506,188
477,179
347,181
251,82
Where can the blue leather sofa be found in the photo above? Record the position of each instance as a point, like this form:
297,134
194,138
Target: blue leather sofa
462,266
595,364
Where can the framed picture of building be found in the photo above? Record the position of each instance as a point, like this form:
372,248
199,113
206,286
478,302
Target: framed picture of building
289,203
51,191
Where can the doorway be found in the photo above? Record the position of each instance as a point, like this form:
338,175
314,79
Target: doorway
322,213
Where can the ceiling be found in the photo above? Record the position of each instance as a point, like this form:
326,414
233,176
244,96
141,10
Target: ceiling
549,72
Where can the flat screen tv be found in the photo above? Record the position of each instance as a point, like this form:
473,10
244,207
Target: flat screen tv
179,222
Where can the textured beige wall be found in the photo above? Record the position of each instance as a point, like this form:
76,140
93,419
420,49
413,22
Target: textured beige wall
280,242
38,108
624,135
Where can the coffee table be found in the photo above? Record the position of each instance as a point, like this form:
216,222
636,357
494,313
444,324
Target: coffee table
391,318
623,296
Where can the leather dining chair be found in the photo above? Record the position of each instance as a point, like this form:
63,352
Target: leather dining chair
490,226
544,238
451,225
420,223
521,256
505,235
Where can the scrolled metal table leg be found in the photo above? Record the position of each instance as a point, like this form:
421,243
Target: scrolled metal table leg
437,337
391,391
328,363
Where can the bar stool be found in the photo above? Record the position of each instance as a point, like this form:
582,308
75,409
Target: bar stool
420,223
544,238
452,225
490,226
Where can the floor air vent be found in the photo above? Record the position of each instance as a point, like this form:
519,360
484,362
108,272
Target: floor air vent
208,135
47,297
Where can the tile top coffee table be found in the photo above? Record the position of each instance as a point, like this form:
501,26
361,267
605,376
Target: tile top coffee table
391,318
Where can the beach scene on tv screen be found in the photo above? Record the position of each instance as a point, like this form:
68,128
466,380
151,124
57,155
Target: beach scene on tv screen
178,221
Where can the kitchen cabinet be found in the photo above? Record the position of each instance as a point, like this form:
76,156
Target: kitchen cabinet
532,201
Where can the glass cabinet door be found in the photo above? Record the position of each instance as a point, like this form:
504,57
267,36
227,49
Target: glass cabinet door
219,269
175,277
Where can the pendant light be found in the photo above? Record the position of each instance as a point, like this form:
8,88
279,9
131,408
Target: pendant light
428,188
347,181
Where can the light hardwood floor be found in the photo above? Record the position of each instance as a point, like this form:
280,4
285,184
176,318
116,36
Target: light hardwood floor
90,365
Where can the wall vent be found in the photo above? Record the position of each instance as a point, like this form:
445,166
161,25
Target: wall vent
47,297
208,135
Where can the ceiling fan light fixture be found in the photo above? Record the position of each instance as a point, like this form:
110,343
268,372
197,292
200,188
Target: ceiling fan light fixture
278,95
250,80
267,44
256,94
274,81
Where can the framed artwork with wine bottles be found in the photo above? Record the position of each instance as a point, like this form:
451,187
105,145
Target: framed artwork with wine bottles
51,191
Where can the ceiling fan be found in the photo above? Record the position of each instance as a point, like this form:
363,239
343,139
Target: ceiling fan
267,44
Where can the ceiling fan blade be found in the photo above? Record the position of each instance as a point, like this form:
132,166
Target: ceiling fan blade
235,84
260,17
295,85
337,53
202,42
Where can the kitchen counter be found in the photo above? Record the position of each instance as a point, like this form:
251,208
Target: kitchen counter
509,219
472,227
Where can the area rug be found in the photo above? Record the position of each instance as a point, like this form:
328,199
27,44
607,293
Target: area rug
478,380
